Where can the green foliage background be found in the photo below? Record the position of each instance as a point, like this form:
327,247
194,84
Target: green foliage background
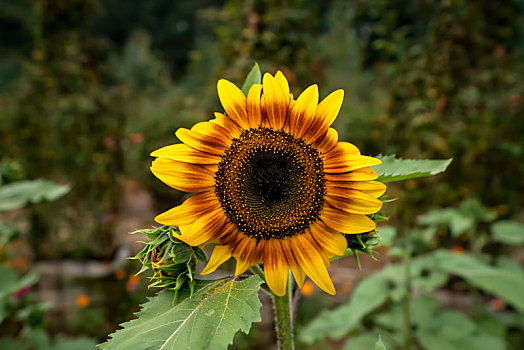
433,79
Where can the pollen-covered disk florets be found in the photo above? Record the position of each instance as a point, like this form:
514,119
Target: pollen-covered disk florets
270,184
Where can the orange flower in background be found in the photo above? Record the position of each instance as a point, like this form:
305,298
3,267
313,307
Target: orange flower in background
120,274
272,183
83,301
497,304
137,138
346,287
307,288
20,263
132,283
457,250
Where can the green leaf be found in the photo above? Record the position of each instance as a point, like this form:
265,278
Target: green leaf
11,343
421,310
379,345
36,338
367,296
396,169
430,281
10,282
254,77
475,209
505,283
460,219
187,291
453,331
18,194
361,341
387,234
208,319
368,341
491,324
8,233
456,220
77,343
508,232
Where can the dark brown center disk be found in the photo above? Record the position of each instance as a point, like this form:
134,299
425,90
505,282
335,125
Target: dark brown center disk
270,184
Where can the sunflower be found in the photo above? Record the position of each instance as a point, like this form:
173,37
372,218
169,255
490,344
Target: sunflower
271,183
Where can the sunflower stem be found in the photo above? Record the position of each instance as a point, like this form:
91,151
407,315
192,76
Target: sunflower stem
257,270
294,305
283,318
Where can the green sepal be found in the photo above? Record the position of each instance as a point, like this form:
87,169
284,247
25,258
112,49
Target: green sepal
180,281
172,261
200,255
181,253
378,217
253,77
355,255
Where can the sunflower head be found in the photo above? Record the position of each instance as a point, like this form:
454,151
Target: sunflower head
271,183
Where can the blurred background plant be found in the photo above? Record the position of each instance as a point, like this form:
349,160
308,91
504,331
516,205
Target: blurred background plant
89,88
450,285
21,315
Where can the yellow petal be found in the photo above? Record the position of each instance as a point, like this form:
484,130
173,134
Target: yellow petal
254,106
242,266
231,236
303,111
220,255
177,168
214,130
281,79
202,142
342,148
275,267
328,239
234,102
344,222
247,249
205,229
328,142
183,176
227,123
287,124
373,188
276,102
297,271
184,153
363,174
191,210
326,113
352,201
311,261
348,162
185,184
299,275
